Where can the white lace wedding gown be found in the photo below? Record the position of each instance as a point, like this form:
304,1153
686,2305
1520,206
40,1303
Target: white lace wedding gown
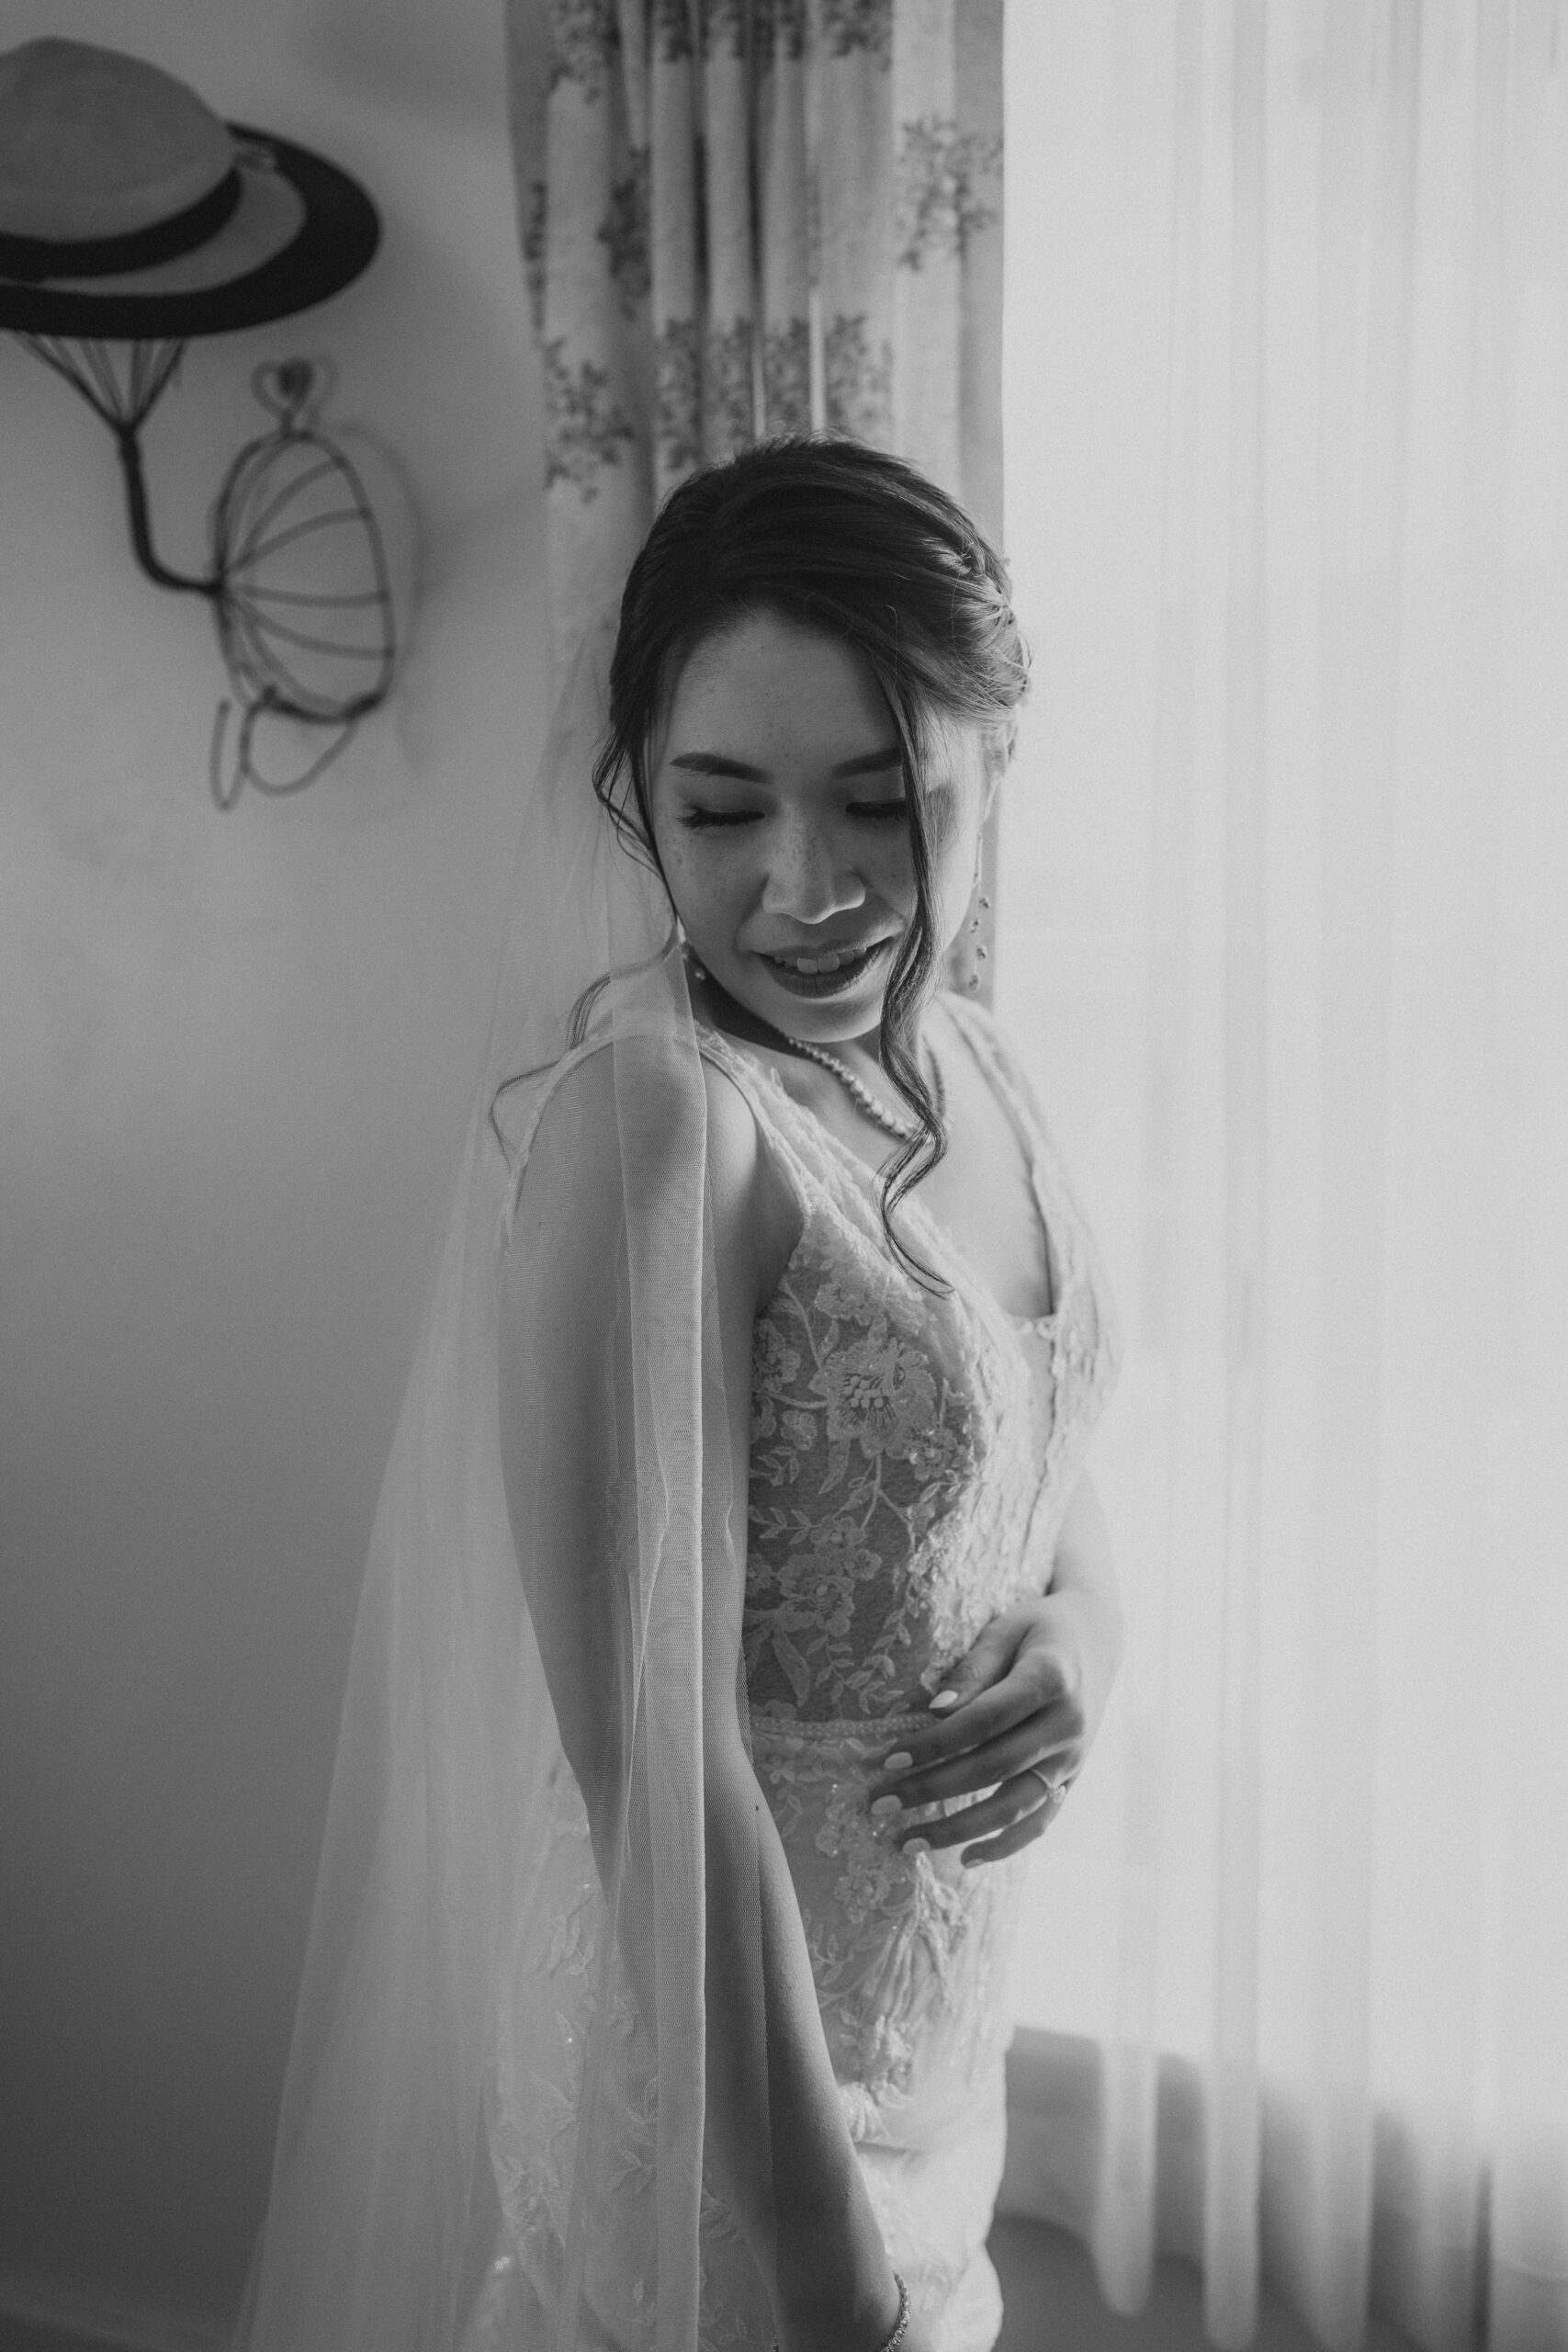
912,1457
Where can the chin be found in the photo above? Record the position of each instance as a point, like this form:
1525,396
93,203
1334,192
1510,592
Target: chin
822,1012
838,1024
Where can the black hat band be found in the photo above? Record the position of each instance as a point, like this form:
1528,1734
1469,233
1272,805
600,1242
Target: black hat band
35,259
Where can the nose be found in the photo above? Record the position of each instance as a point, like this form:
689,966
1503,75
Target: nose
808,878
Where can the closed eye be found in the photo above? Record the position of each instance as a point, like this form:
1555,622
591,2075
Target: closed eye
698,820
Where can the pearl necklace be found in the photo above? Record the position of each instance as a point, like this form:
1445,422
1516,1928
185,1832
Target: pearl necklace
900,1129
859,1093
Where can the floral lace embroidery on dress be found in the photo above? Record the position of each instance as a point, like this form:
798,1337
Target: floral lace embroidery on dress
899,1440
912,1457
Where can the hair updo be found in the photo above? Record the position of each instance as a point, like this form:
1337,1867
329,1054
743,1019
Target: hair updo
853,542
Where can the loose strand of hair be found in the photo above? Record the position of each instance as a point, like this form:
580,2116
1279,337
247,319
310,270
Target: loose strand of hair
909,987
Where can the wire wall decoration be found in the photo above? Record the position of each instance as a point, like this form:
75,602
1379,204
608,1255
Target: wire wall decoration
133,218
296,579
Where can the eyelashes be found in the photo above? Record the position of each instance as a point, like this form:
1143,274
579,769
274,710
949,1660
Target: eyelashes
705,821
877,812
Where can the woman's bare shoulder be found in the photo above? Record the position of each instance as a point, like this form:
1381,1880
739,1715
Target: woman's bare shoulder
757,1218
619,1124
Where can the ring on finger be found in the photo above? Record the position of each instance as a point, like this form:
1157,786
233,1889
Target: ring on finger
1055,1790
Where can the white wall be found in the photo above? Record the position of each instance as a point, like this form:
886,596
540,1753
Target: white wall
235,1059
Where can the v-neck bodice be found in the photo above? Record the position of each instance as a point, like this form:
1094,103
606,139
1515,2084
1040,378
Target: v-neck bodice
912,1454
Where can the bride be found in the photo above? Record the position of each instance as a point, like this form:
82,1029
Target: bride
739,1611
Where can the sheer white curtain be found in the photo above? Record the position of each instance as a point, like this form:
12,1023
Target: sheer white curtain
1283,919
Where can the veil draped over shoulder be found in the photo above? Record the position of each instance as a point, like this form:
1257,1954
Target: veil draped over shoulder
459,2162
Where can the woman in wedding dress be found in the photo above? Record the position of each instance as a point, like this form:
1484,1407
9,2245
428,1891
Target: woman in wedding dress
714,1676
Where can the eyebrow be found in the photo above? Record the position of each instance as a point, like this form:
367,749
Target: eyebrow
721,764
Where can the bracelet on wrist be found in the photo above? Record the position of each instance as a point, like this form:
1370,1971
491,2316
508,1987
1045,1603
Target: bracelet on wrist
900,2325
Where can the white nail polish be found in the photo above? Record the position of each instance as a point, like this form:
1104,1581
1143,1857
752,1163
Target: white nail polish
917,1845
945,1698
884,1805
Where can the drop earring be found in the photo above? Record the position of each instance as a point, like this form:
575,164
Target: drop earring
982,908
689,958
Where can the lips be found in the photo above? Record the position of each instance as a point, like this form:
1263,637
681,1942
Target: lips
823,959
826,971
830,961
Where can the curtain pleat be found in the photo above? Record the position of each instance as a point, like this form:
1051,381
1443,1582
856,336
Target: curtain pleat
730,421
978,109
850,132
927,226
675,214
1126,2189
779,55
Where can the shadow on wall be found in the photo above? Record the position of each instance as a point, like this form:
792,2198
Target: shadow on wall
236,1059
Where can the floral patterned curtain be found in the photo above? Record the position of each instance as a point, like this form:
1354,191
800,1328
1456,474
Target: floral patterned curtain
744,217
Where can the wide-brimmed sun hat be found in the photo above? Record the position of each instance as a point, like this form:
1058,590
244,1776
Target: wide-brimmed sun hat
128,209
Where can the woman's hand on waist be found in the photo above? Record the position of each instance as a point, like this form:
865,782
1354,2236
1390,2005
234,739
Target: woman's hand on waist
1018,1711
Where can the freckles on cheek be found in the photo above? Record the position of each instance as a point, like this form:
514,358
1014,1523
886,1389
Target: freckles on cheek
696,890
675,847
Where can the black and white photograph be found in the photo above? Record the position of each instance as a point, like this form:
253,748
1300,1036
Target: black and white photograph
784,1175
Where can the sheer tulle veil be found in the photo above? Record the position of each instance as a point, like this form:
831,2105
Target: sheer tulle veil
456,2138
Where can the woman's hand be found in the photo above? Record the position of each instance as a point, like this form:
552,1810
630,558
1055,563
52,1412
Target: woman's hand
1030,1695
1027,1703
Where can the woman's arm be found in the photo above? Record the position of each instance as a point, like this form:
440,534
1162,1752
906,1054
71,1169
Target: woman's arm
796,2187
